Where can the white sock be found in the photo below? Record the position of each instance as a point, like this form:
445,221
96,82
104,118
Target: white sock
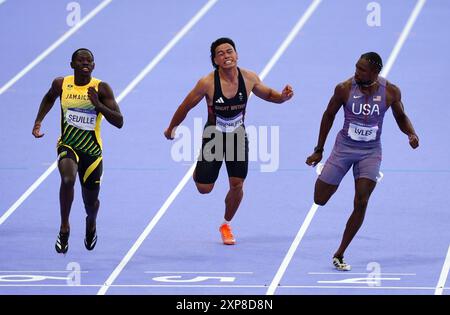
226,222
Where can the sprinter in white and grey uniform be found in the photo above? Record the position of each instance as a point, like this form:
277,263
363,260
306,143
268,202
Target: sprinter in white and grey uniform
365,99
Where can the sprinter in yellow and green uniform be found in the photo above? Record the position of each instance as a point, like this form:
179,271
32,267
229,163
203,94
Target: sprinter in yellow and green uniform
85,100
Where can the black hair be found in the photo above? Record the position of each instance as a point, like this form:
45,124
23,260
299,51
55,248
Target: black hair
81,49
218,42
374,59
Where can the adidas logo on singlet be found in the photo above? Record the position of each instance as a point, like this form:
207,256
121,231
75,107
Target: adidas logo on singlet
220,100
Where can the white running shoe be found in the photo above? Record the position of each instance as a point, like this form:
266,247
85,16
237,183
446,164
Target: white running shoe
340,264
380,177
319,168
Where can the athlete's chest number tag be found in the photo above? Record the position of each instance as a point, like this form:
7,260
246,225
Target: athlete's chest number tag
362,133
81,118
229,124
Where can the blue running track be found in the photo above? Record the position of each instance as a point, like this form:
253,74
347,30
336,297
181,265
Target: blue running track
403,246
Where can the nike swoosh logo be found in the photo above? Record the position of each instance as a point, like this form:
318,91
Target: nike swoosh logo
357,96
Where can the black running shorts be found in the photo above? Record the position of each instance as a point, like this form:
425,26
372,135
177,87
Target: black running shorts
231,146
90,168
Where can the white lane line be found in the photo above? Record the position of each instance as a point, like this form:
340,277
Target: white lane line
139,285
170,45
287,259
55,45
353,287
42,271
292,34
190,172
444,274
221,286
361,273
122,95
182,183
404,35
145,233
202,272
27,193
365,279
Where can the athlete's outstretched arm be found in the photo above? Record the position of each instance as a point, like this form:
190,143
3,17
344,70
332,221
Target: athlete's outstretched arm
46,104
402,120
191,100
268,94
328,116
106,104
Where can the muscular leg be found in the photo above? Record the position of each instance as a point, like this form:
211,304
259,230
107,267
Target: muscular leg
363,189
203,188
91,204
68,171
234,197
323,192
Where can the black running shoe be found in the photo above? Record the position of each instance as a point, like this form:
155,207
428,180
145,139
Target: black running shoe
91,238
62,242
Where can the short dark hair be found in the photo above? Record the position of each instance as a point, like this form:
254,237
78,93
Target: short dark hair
218,42
81,49
374,59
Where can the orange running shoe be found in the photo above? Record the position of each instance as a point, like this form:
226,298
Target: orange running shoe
227,235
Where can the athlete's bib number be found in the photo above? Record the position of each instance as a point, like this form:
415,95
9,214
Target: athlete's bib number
84,119
362,133
229,124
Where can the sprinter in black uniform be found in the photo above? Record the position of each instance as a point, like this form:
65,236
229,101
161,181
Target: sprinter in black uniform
226,91
226,125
